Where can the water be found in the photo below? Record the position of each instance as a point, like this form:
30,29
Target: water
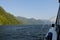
23,32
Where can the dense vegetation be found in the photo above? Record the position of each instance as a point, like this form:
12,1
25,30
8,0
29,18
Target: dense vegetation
7,19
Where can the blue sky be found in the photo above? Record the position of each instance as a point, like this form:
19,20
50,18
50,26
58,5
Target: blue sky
39,9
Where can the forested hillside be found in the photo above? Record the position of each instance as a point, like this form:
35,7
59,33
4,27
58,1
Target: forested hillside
7,19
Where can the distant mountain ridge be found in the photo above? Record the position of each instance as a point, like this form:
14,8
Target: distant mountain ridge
7,18
33,21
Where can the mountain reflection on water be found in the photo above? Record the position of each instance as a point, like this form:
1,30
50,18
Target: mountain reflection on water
23,32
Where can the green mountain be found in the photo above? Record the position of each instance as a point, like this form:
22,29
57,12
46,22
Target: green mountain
7,18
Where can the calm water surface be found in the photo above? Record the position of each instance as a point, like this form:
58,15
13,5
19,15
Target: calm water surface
22,32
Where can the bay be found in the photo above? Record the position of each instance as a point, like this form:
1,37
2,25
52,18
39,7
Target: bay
23,32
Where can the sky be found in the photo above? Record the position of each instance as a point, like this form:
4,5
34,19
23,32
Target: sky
39,9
